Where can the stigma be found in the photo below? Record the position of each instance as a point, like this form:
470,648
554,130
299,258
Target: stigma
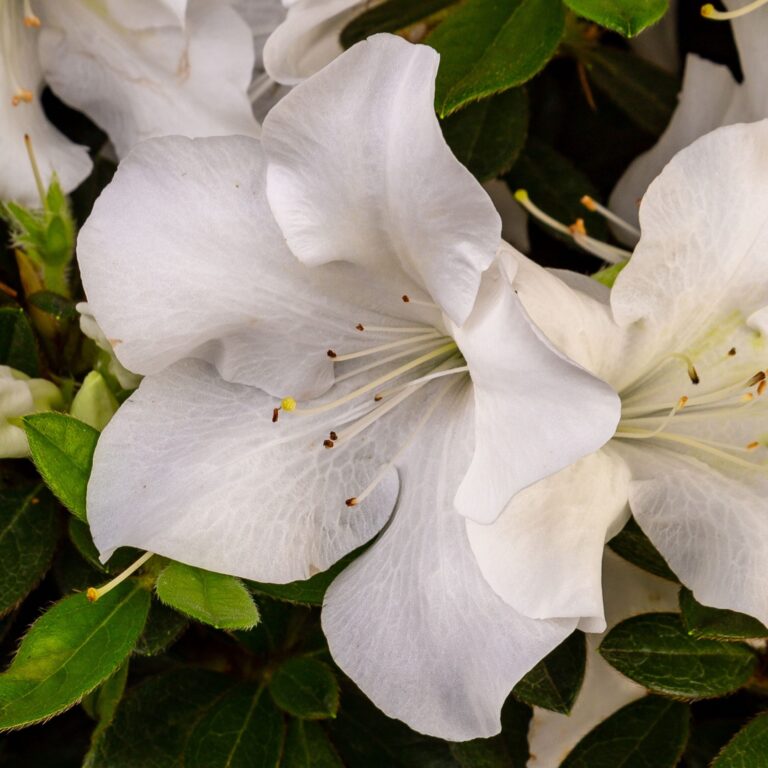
709,11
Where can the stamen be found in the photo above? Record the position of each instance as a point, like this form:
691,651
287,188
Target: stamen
383,347
761,387
35,169
408,300
758,377
393,328
388,359
94,594
423,380
731,351
30,19
592,205
693,374
709,11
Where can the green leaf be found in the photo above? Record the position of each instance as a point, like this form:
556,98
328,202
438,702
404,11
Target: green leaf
163,628
649,733
102,703
213,598
634,546
748,748
556,186
627,17
390,16
308,746
488,136
703,621
17,341
507,750
555,681
305,688
29,532
62,449
244,730
655,650
645,93
68,651
489,46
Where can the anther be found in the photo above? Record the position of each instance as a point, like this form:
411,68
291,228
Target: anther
406,298
578,228
328,443
22,95
754,444
693,374
756,379
331,353
333,435
592,205
360,327
761,387
731,351
709,11
30,18
681,403
275,415
351,502
747,397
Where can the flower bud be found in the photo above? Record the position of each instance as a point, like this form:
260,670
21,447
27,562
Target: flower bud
94,403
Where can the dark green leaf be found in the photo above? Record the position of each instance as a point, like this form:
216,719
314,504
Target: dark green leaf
308,746
163,628
649,733
244,730
102,703
59,307
488,136
748,748
507,750
489,46
627,17
213,598
556,186
703,621
390,16
633,545
154,721
29,531
17,341
68,651
62,449
305,688
644,92
655,650
555,681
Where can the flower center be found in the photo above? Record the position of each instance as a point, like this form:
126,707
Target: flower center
12,38
709,11
722,395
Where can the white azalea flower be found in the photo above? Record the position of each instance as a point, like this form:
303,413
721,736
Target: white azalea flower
681,338
21,396
21,82
710,98
294,399
628,592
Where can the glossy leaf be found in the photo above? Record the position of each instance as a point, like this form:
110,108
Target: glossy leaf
627,17
29,532
305,688
488,136
488,46
748,748
656,651
213,598
17,341
633,545
649,733
308,746
390,16
62,449
703,621
68,651
554,683
163,628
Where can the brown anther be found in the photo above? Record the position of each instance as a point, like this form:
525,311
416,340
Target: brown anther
328,443
578,228
753,445
588,203
377,398
360,327
731,351
275,415
756,379
693,374
351,502
32,21
331,353
333,436
405,297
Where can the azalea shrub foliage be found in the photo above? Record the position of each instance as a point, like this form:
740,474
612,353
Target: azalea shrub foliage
178,586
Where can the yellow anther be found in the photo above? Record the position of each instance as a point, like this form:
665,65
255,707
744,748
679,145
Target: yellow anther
92,594
22,95
753,445
747,397
578,228
288,404
588,203
682,402
521,195
32,21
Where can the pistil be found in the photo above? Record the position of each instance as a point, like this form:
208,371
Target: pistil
709,11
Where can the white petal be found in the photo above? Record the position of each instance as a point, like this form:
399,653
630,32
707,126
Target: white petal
412,621
141,14
537,412
54,152
204,272
708,93
308,39
629,592
359,171
705,233
544,554
711,527
137,84
194,469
